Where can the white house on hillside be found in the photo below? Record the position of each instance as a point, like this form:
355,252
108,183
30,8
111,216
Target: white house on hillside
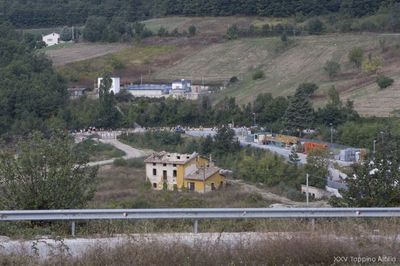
115,84
51,39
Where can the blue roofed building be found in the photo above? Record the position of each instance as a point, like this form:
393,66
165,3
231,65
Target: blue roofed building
150,90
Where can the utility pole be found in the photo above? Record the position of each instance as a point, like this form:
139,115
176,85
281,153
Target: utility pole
204,177
307,199
373,147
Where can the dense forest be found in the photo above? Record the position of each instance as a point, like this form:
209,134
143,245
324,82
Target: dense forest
44,13
30,90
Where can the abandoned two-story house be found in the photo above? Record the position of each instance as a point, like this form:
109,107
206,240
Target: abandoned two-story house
183,171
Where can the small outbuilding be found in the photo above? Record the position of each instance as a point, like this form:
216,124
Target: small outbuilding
51,39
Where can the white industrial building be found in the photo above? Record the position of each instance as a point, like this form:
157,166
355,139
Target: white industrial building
149,90
51,39
115,84
180,88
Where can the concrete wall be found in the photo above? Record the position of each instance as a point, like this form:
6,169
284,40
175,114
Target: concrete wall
147,93
157,179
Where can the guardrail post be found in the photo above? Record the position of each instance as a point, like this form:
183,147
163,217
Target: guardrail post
73,228
195,226
312,224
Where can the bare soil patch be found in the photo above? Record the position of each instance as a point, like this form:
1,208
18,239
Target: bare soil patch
82,51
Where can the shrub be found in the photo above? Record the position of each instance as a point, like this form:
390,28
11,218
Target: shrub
233,32
356,56
136,162
383,81
233,80
258,74
315,26
332,68
372,64
120,162
192,30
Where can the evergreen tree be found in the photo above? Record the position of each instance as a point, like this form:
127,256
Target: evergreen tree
108,115
300,114
294,157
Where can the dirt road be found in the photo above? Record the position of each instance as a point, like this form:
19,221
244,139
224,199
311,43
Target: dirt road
130,152
284,202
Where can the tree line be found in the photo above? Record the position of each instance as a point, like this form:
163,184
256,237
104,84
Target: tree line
43,13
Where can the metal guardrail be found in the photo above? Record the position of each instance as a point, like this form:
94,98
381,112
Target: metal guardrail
196,214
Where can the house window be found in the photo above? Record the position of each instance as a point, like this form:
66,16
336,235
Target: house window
154,185
164,164
174,173
174,165
191,186
178,157
165,175
212,186
154,164
154,171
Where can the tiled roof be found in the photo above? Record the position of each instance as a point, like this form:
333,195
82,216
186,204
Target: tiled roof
203,173
174,158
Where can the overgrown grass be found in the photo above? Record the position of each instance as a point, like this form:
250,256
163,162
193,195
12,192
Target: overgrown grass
98,151
263,249
57,46
133,163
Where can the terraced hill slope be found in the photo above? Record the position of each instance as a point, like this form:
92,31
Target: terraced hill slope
302,61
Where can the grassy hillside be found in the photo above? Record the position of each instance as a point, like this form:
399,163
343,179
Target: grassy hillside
302,61
208,57
126,61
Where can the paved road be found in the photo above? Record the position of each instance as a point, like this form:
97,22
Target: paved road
130,152
281,151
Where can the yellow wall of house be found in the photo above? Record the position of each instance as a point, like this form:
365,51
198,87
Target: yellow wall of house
180,172
201,186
